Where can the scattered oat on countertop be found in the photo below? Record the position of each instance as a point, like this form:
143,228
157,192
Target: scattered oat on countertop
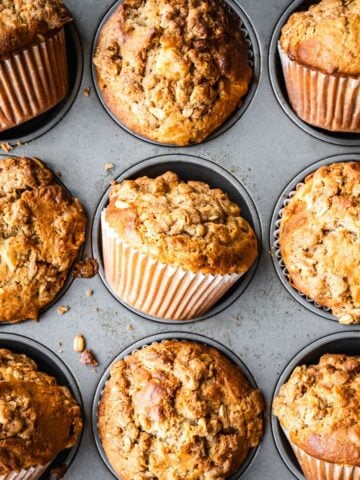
89,293
87,92
129,328
79,343
86,268
63,309
59,472
6,147
88,358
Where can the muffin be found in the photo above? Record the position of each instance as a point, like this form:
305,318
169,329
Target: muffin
173,72
320,54
41,231
319,239
319,410
171,248
176,410
33,61
38,418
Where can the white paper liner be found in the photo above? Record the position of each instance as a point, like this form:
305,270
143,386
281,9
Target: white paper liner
33,473
155,288
331,102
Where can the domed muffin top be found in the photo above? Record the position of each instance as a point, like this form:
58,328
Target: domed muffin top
178,409
184,224
325,37
319,407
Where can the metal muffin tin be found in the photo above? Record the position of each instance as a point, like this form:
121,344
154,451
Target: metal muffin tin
254,58
188,168
158,339
47,362
263,150
346,343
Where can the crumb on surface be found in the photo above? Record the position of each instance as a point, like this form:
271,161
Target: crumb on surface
108,166
87,91
63,309
129,328
89,293
86,268
88,358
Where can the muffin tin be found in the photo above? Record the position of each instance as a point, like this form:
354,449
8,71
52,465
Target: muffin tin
263,150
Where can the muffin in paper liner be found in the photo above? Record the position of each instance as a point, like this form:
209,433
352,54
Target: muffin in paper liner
331,102
33,80
155,288
33,473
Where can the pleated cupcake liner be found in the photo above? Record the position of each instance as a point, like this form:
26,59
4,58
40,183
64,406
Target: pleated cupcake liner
33,473
155,288
331,102
33,80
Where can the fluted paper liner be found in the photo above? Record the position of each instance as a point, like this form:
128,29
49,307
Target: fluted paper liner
331,102
33,80
155,288
315,469
33,473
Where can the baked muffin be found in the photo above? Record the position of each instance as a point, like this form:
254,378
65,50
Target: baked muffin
320,53
33,61
319,409
173,72
319,239
38,418
176,410
171,249
41,231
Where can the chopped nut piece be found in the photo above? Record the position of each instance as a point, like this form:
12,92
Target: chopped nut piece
86,268
108,166
63,309
130,328
89,293
58,473
87,91
88,358
79,343
6,147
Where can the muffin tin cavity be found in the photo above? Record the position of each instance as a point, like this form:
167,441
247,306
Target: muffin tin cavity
188,168
157,339
338,343
276,257
255,62
50,363
43,123
278,84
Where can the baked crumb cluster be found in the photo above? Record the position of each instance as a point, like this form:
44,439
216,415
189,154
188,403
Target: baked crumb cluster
178,410
320,239
186,224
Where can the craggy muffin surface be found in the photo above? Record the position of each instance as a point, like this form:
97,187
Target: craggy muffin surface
319,407
41,231
320,239
178,409
38,418
185,224
173,71
26,22
325,37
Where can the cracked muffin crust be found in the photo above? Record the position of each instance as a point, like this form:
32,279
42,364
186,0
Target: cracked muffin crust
320,239
27,22
173,71
38,418
319,407
185,224
41,231
176,410
325,37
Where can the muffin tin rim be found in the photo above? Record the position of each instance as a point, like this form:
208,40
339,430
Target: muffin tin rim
284,376
304,301
231,121
342,139
159,338
242,283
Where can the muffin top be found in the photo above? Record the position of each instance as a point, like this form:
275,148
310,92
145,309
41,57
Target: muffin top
38,418
326,37
173,71
27,22
319,239
319,407
178,410
184,224
41,231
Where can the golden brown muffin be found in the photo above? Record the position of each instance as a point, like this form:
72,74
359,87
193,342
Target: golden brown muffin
185,224
27,22
319,239
38,418
326,37
173,71
41,231
178,410
319,407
